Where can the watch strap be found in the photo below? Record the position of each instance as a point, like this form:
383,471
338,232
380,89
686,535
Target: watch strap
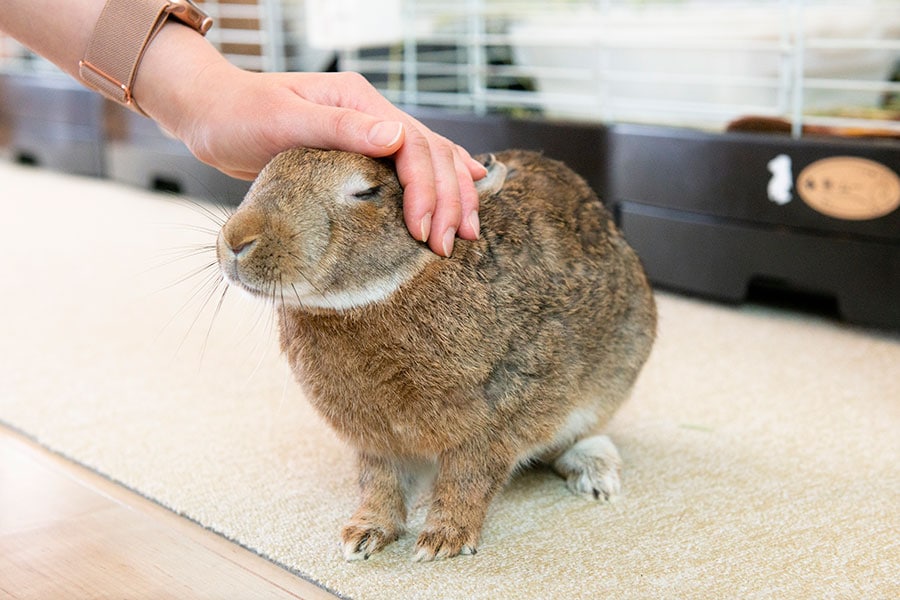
120,38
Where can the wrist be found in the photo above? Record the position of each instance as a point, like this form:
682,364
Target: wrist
168,85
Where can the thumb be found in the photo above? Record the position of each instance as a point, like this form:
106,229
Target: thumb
385,138
350,130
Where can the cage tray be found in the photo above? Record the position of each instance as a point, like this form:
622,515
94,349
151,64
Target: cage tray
714,214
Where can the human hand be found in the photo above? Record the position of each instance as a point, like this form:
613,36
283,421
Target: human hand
237,121
253,116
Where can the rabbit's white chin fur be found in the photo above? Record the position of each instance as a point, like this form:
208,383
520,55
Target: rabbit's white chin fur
374,291
371,292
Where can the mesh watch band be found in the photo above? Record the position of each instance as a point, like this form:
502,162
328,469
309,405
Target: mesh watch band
123,32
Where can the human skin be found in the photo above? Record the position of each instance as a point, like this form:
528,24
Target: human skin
237,120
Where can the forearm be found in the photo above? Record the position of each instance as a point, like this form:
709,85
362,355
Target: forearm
58,31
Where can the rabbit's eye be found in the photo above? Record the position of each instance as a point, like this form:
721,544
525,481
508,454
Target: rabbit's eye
370,194
359,188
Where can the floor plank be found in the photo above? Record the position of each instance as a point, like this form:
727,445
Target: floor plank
68,532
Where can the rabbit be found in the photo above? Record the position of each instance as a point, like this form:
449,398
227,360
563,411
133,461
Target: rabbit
515,350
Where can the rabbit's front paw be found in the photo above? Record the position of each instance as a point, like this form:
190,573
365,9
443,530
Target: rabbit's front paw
591,467
362,539
444,542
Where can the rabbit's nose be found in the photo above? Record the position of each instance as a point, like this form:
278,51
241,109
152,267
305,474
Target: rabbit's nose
243,245
241,232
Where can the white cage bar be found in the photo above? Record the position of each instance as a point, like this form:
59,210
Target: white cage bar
699,63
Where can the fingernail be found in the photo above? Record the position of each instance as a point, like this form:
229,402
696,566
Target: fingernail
475,223
449,237
425,225
385,134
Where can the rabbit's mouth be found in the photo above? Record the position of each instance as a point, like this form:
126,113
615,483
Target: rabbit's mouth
238,267
246,263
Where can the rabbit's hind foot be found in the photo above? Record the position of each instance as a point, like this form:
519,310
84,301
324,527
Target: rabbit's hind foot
591,468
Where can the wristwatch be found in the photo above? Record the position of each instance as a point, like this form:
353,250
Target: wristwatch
120,38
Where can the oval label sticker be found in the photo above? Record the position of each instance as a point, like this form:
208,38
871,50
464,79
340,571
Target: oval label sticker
847,187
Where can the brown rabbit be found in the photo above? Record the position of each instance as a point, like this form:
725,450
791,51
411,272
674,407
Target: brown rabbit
516,349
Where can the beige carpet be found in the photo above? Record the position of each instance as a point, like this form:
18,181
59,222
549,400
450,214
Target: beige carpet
761,448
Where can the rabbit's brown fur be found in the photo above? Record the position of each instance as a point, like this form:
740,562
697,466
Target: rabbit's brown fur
517,348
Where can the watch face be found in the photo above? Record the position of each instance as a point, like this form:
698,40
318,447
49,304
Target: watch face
188,13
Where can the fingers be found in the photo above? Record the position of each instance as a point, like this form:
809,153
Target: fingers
339,115
414,171
346,129
467,170
476,169
439,200
239,174
385,136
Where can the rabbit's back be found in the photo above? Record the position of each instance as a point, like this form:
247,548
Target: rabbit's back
576,294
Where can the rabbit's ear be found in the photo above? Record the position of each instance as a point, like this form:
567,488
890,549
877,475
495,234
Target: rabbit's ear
491,183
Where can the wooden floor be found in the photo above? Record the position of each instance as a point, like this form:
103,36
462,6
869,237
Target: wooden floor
66,532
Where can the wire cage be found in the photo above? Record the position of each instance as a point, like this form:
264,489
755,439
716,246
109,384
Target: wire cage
697,63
